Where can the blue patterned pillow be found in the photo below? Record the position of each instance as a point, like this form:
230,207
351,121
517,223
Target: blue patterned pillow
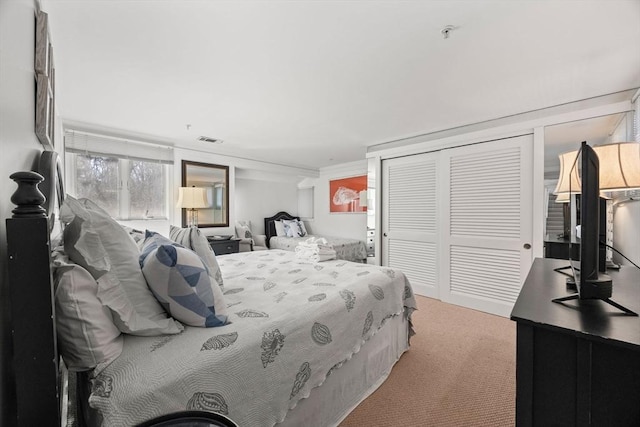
180,282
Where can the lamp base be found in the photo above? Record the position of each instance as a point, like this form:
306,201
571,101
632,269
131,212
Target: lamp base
192,218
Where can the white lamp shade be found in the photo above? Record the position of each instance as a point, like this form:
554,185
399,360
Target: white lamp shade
619,166
568,180
192,198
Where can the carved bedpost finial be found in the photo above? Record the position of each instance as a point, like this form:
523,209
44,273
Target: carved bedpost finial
28,197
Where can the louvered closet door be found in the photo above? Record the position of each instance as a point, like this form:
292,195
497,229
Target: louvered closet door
410,220
487,223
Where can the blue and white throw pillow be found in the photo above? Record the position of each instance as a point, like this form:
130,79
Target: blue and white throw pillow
303,229
180,281
294,228
192,238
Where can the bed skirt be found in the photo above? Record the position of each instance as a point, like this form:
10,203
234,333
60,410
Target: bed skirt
347,387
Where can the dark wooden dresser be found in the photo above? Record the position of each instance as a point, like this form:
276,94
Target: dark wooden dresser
578,363
225,246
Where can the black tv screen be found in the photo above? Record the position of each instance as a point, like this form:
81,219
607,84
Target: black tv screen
589,281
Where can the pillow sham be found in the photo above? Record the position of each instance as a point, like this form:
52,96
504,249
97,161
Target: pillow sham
280,231
87,337
95,241
181,282
192,238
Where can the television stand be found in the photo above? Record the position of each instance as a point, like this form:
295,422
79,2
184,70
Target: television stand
561,271
607,300
576,367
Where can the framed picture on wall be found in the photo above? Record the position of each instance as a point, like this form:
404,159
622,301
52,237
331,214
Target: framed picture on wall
348,195
44,111
42,62
45,83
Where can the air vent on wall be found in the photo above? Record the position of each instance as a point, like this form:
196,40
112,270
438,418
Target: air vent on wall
211,140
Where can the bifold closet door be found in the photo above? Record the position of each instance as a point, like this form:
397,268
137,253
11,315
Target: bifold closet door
410,218
486,223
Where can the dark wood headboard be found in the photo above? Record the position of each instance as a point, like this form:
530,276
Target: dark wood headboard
35,354
270,227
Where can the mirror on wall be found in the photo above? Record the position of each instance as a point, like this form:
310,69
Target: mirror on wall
214,182
561,219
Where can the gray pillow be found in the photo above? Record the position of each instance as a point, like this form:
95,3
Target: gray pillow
87,336
99,244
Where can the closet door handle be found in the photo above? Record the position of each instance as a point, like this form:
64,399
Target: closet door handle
527,246
384,234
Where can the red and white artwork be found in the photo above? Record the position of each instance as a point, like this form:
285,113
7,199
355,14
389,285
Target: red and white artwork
348,194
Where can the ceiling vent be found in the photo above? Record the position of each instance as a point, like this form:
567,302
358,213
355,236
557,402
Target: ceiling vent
211,140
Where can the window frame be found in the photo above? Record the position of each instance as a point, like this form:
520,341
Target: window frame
124,198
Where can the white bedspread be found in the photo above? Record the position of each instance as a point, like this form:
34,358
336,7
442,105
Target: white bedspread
294,323
348,249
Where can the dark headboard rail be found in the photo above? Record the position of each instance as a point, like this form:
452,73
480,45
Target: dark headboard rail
35,353
270,227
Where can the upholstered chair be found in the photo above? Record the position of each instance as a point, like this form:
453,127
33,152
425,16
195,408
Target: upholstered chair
248,240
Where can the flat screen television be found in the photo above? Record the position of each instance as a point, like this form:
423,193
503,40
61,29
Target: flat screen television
588,280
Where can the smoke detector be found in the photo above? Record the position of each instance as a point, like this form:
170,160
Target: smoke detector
446,31
210,140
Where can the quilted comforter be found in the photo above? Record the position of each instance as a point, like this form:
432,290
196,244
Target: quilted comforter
347,249
293,323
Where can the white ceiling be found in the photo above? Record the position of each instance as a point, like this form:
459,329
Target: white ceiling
313,83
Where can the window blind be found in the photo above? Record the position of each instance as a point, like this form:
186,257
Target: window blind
107,146
305,203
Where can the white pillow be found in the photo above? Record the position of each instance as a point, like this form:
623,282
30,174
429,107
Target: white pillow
87,336
192,238
243,229
98,243
279,228
181,283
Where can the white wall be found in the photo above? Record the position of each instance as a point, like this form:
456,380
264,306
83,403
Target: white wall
349,225
626,216
626,232
256,199
20,147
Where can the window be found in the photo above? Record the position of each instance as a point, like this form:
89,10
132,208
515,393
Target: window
97,178
147,189
305,203
127,189
131,180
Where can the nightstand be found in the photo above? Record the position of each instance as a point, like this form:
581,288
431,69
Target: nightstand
223,247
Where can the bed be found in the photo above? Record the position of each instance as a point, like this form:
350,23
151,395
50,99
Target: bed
306,342
347,249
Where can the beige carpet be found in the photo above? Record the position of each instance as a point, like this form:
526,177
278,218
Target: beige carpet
459,371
